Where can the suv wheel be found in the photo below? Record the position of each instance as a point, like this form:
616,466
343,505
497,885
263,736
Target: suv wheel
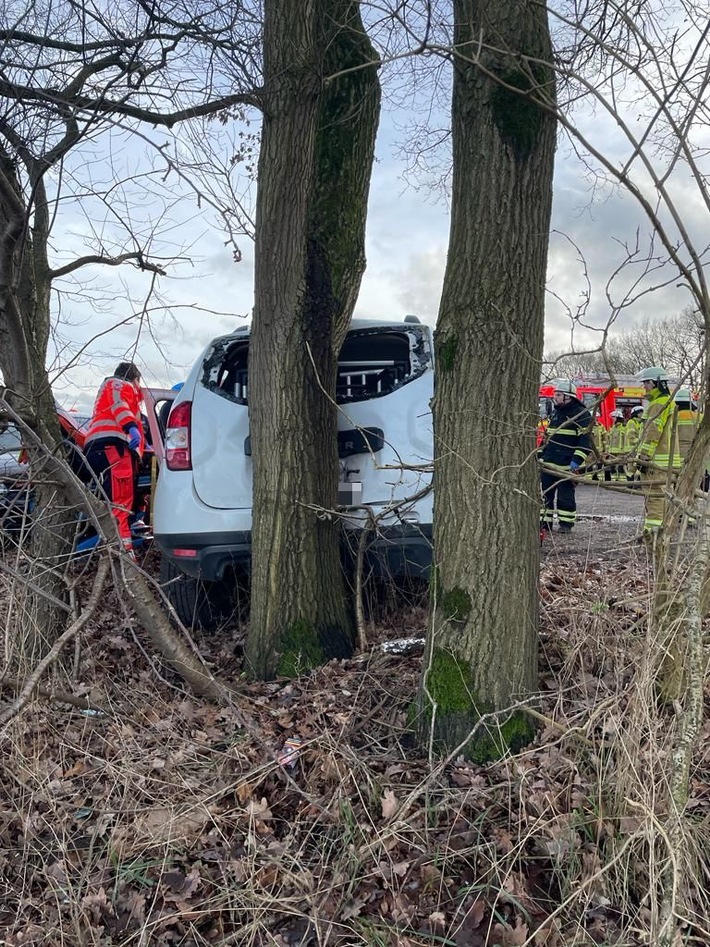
199,604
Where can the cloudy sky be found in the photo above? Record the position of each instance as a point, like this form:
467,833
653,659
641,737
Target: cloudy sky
597,266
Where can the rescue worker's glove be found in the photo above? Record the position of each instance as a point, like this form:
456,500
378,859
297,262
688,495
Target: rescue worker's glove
574,466
134,437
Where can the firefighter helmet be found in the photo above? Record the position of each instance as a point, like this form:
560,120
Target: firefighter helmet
683,394
637,409
565,387
653,373
617,413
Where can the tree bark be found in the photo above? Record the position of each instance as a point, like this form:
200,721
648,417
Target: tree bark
25,286
315,162
488,346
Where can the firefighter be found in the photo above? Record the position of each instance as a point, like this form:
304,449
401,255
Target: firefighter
114,442
658,451
567,446
541,428
633,433
616,446
687,420
599,441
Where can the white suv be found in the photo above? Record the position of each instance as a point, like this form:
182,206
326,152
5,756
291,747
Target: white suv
202,510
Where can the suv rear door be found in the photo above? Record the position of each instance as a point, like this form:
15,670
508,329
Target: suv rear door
385,383
158,402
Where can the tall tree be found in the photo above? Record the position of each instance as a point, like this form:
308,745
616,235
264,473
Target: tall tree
321,95
68,72
483,641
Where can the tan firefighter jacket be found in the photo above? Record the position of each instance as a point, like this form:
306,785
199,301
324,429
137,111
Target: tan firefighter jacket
687,425
633,433
658,442
616,439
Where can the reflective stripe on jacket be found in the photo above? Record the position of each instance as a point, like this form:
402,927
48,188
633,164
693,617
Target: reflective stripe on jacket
116,409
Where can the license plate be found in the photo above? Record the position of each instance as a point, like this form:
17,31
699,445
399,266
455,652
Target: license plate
350,494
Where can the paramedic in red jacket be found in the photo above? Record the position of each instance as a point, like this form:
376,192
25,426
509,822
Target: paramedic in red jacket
114,438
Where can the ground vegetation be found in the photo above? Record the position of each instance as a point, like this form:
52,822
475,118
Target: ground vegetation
132,810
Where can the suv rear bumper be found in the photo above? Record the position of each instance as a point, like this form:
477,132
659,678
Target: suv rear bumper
395,551
402,550
213,553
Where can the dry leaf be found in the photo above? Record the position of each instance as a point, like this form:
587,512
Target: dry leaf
353,909
508,936
548,935
389,804
259,810
401,869
244,791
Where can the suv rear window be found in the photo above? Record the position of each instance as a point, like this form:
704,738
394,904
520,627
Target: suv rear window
371,365
373,362
228,376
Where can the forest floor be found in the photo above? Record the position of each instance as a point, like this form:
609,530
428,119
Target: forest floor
155,818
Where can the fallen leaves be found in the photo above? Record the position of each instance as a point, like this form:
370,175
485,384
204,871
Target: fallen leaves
192,832
389,805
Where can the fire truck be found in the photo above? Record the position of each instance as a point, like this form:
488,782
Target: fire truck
599,395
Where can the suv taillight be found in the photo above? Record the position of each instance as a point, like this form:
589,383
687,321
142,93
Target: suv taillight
177,437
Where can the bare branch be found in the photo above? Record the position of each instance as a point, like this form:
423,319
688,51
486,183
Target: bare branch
104,106
140,260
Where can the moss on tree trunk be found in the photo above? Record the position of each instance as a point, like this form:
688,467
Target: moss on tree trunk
488,346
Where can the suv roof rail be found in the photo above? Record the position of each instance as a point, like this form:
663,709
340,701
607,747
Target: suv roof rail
411,318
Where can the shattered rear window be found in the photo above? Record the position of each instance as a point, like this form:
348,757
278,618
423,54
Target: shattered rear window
373,362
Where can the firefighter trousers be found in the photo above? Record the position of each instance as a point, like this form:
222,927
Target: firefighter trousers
653,483
560,489
112,467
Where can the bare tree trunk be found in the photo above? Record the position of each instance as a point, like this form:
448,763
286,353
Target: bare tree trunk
25,285
483,641
314,171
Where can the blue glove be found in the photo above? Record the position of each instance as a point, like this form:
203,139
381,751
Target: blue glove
134,437
574,466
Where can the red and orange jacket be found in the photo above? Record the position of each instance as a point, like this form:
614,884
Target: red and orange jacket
116,409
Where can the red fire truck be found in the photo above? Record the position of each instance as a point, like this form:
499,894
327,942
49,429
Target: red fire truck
600,395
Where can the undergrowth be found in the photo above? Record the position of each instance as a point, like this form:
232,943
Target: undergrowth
153,818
